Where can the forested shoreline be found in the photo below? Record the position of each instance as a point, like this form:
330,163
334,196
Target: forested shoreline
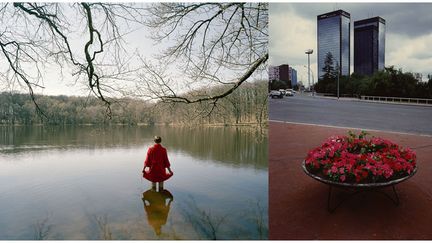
246,105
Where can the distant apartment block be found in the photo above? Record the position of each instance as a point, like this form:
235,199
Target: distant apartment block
283,73
334,37
280,72
273,73
369,45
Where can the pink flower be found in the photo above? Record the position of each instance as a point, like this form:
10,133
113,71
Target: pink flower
333,169
363,158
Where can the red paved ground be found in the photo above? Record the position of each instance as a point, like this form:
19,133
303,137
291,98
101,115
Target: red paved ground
297,203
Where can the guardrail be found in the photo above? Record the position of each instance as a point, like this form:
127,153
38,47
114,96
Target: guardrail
334,95
397,99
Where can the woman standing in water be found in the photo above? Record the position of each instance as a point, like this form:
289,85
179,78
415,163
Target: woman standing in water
156,164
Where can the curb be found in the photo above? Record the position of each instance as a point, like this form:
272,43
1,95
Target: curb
351,128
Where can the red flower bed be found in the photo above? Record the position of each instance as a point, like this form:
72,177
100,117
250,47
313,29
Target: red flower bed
356,159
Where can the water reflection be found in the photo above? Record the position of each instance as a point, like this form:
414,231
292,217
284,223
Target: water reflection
42,229
237,146
187,219
249,222
205,222
221,174
157,206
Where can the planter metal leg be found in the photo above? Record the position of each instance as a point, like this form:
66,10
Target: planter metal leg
396,195
331,209
329,199
394,199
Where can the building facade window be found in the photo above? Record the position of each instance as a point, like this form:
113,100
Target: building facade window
369,45
334,37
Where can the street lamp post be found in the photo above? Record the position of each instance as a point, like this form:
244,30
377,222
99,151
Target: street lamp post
308,52
313,79
338,74
313,83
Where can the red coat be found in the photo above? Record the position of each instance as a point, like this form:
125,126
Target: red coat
157,160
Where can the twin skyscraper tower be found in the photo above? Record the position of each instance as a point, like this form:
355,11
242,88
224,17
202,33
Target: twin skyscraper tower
334,32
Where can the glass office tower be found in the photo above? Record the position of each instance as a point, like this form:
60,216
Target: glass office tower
369,45
334,37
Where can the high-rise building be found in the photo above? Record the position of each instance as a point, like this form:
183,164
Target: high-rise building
334,37
282,73
369,45
293,76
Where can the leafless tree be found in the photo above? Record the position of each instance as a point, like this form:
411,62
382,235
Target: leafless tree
36,36
210,43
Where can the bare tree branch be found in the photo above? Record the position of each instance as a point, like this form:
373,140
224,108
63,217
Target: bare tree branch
253,68
212,43
19,74
39,34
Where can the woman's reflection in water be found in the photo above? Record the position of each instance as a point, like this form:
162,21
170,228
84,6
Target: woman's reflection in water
157,207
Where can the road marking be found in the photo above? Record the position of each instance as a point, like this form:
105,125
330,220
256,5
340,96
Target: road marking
357,128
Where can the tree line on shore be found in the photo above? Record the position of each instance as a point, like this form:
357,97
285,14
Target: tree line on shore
247,104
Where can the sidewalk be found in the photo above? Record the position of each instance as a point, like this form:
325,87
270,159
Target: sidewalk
297,203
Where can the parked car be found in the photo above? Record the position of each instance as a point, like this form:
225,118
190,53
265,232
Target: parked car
289,93
282,91
276,94
292,91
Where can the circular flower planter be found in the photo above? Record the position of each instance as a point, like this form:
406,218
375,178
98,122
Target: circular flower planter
357,185
358,164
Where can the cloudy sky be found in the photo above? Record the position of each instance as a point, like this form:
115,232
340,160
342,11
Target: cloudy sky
293,28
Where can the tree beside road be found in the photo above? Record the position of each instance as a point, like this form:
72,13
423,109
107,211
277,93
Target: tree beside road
390,82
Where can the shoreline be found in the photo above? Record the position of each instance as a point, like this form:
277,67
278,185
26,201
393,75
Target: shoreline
263,126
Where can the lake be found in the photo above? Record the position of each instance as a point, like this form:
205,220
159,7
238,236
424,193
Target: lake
85,183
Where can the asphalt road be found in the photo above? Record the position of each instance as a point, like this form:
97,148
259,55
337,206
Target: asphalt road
352,113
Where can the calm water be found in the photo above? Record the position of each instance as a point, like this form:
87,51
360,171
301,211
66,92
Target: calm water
85,183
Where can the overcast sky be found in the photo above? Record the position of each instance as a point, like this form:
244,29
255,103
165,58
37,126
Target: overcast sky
293,28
